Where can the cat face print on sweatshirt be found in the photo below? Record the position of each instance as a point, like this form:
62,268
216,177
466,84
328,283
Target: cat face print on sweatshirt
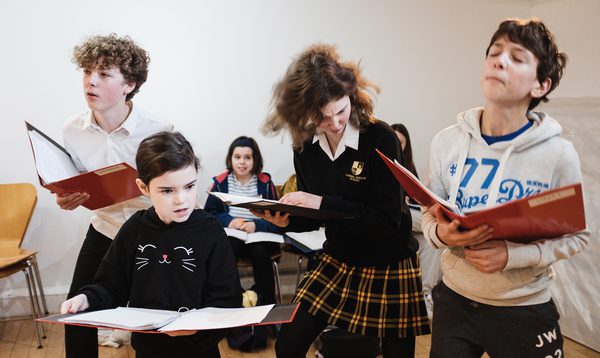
178,256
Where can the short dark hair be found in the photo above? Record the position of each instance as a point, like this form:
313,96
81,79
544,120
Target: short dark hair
113,51
535,37
249,142
164,152
315,78
407,155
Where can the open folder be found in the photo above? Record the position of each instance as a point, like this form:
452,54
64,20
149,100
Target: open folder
273,205
547,215
308,241
258,236
147,320
57,173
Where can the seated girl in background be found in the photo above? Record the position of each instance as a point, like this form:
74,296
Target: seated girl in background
170,256
428,255
244,176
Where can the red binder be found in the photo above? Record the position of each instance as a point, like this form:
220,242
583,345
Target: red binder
106,186
547,215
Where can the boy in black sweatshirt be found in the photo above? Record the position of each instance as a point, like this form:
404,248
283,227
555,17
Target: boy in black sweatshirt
170,256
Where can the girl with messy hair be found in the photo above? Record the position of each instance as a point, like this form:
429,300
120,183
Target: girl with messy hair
367,280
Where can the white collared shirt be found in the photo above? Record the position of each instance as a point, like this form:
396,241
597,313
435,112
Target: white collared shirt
349,139
92,148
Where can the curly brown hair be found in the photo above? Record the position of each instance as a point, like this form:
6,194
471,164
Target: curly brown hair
113,51
313,79
535,36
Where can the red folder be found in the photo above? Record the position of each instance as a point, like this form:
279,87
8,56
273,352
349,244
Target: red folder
106,186
547,215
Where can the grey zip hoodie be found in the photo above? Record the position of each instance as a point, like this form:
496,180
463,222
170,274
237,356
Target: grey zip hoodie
475,175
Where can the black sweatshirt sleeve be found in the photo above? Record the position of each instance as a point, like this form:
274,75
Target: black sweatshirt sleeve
112,281
222,284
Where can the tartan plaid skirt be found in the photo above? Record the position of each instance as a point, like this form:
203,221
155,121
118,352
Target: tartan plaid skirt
372,301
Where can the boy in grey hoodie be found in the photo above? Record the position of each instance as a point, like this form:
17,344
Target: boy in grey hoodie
495,294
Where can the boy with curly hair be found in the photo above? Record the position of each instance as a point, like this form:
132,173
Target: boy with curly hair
114,69
495,294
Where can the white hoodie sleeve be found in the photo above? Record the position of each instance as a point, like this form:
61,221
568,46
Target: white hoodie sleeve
433,180
543,253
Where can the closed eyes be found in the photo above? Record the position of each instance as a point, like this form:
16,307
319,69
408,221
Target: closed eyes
188,251
142,248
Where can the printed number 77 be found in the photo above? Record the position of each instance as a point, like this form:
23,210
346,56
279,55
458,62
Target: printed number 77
473,164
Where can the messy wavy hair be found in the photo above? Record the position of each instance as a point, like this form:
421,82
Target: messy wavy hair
313,79
113,51
535,36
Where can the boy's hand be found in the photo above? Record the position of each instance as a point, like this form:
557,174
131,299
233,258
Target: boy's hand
75,304
277,219
489,257
450,234
71,201
181,333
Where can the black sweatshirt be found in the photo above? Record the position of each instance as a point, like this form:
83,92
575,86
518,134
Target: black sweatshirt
358,182
181,265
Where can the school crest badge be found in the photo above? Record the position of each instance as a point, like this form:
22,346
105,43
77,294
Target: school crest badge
357,167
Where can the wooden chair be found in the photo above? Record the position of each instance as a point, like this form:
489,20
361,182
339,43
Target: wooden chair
17,202
274,261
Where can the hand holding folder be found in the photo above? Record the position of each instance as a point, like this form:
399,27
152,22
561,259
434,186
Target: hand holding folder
274,205
57,173
547,215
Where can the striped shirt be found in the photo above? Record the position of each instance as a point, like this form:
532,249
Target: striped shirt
236,188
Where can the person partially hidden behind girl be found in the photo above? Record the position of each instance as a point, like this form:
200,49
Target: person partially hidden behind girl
429,256
170,256
244,176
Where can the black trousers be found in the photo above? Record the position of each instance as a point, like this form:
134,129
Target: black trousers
295,338
259,254
83,341
465,328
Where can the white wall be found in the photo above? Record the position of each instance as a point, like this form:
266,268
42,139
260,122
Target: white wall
577,285
213,67
576,25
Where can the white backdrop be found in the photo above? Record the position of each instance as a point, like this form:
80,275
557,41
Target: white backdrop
213,67
576,290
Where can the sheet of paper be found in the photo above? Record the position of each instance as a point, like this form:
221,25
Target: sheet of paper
216,318
52,163
264,237
238,199
126,317
238,234
255,236
312,239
